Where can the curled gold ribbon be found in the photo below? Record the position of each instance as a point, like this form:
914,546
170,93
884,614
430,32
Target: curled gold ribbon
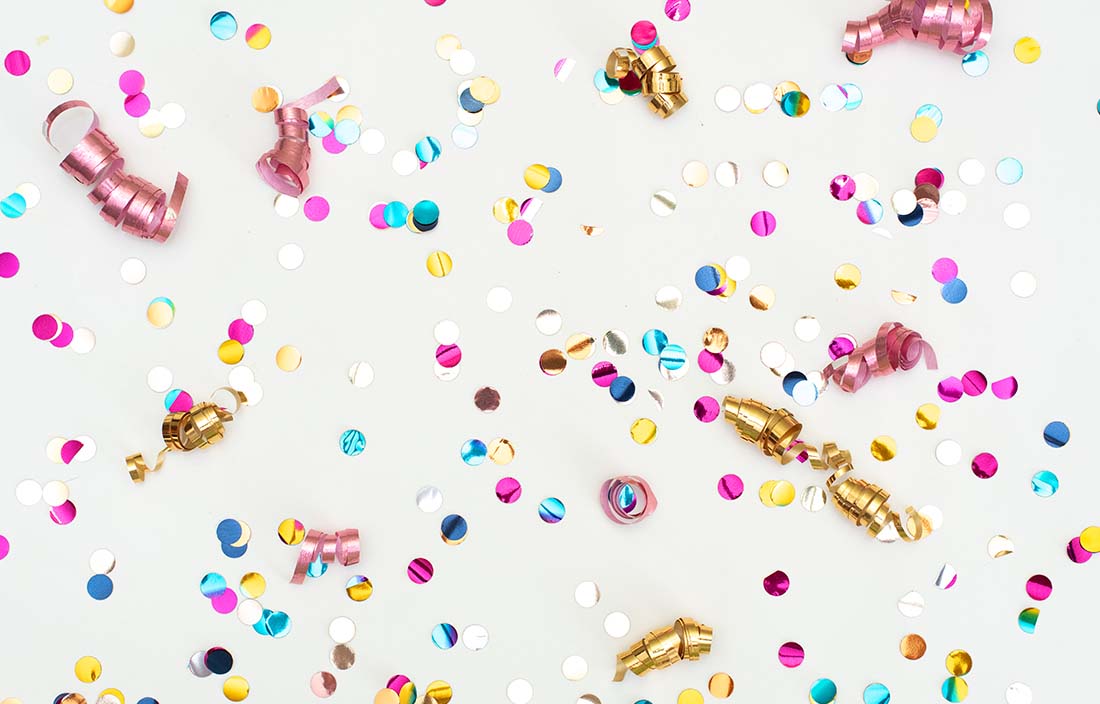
202,426
776,431
651,72
686,639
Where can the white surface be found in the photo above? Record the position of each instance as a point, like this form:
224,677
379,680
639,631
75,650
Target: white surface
365,295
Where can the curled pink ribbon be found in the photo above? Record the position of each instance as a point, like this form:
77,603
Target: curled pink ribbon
627,499
343,547
140,207
961,26
894,347
285,166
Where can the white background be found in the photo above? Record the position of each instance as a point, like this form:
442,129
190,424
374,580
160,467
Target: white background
363,294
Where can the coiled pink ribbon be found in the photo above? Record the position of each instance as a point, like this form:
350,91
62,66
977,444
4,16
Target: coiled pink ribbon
947,24
894,347
285,166
343,547
140,207
627,499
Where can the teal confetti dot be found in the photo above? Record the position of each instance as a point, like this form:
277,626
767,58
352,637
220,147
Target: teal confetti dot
352,442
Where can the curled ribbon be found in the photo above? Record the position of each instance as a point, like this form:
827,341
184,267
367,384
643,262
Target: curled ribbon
627,499
140,207
961,26
202,426
342,547
776,431
285,166
894,347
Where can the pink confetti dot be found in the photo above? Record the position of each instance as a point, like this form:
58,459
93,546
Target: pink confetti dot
509,490
950,389
434,3
331,144
762,223
9,265
984,465
710,362
643,33
316,208
64,337
225,602
420,571
791,654
1076,552
448,355
64,514
930,175
677,10
974,383
1005,388
520,232
70,449
131,82
46,326
17,62
843,187
241,331
1039,587
397,683
730,487
944,270
136,105
777,583
603,373
841,346
706,409
377,216
178,401
5,547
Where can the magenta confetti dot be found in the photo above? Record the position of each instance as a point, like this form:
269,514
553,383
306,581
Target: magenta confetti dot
930,175
316,208
17,62
46,326
64,337
603,373
331,144
710,362
777,583
9,265
944,270
950,389
841,346
241,331
1005,388
843,187
131,82
791,654
730,487
677,10
1039,587
225,602
69,450
1076,552
448,355
433,3
378,216
397,683
64,514
5,547
707,409
136,105
984,465
643,33
974,383
420,570
520,232
762,223
509,490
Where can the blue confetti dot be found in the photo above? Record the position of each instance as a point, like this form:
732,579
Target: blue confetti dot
912,219
317,568
603,82
673,357
621,389
707,278
453,529
147,700
229,531
278,624
469,103
428,149
790,380
1044,483
223,25
13,206
100,587
395,214
653,341
823,691
551,510
346,131
931,111
555,181
876,693
352,442
261,625
213,585
234,552
473,452
444,635
954,291
1056,434
426,213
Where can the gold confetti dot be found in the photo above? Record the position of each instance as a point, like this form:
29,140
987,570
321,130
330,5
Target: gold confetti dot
690,696
923,129
536,176
959,662
358,591
695,174
160,313
235,689
928,416
118,6
291,531
288,358
485,90
439,264
715,340
505,210
1027,50
1090,539
643,431
580,346
266,98
253,584
501,451
446,45
552,362
884,448
775,493
847,276
761,297
439,691
350,112
720,685
912,647
88,669
231,352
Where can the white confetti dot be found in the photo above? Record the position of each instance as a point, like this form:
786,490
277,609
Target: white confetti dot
122,44
55,493
499,299
30,193
971,172
83,341
758,98
159,379
668,297
1017,216
249,612
102,561
727,174
462,62
53,449
405,162
574,668
807,328
911,605
429,499
953,202
520,691
132,271
948,453
773,355
903,201
291,256
1023,284
241,376
464,136
616,624
727,98
28,492
88,449
285,206
587,594
475,637
738,268
866,186
933,515
254,312
548,322
372,141
341,629
446,332
173,115
776,174
361,375
1018,693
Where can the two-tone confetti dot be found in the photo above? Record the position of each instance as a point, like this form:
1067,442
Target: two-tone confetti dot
233,535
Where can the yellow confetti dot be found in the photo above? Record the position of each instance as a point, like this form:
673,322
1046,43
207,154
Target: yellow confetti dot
253,584
1027,50
235,689
1090,539
350,112
447,45
923,129
720,685
690,696
501,451
928,416
231,352
59,81
959,662
884,448
88,669
440,692
110,691
505,210
266,98
359,591
776,493
118,6
643,431
161,312
291,531
387,696
536,176
847,276
288,358
486,90
439,264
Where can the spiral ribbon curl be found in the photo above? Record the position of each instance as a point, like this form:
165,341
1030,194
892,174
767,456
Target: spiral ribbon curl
894,347
627,499
140,207
961,26
342,547
285,167
202,426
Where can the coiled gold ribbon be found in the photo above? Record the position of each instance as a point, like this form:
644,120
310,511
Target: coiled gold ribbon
653,73
202,426
686,639
776,433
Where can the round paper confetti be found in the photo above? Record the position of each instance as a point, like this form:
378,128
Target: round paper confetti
1027,50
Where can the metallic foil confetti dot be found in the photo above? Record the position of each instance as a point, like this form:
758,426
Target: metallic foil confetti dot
695,174
791,654
59,81
928,416
720,685
643,431
288,358
814,498
884,448
574,668
342,656
1028,619
689,696
946,577
776,174
761,297
959,663
429,499
548,322
235,688
847,276
552,362
911,605
1000,546
88,669
580,346
668,297
823,691
662,203
322,684
912,647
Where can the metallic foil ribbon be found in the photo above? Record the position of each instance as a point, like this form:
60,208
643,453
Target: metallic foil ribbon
686,639
627,499
285,166
202,426
776,433
894,347
342,547
654,70
140,207
961,26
